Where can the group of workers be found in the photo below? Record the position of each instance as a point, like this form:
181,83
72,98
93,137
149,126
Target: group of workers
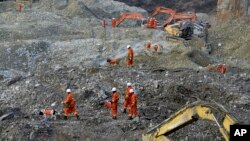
155,47
151,22
130,102
69,107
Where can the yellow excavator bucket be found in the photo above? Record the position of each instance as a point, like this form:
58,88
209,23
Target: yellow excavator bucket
191,112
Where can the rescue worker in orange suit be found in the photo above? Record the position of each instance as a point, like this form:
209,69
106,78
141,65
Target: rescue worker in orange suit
114,103
148,45
69,103
126,104
113,22
130,56
113,61
224,69
155,23
133,109
151,22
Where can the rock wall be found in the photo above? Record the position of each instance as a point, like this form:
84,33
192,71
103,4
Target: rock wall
231,9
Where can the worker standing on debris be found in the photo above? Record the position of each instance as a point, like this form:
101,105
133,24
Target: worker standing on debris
148,45
114,103
127,103
130,55
151,22
69,103
155,23
133,109
113,22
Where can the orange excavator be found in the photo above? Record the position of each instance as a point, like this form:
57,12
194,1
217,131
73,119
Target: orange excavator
173,15
132,15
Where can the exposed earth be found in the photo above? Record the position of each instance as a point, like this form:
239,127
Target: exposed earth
54,45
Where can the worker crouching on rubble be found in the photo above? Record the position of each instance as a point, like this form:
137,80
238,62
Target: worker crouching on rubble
114,103
130,55
48,113
113,61
133,110
69,103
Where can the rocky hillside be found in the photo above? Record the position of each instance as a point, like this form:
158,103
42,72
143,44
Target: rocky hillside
203,6
54,45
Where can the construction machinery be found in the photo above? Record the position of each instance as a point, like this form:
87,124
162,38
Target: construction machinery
173,15
132,15
192,112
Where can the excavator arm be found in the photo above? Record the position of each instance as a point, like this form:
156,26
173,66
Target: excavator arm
164,10
124,16
180,16
188,114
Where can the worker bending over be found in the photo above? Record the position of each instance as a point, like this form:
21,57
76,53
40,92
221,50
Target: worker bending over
133,110
130,55
48,113
127,103
69,103
113,61
114,103
148,45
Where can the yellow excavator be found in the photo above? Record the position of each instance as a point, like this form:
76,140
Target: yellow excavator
198,110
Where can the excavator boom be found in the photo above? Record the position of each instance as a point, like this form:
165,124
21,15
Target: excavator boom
188,114
164,10
180,16
124,16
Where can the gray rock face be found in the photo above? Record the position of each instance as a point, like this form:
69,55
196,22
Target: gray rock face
60,4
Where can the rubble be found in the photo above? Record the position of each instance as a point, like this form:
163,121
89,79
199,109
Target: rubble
45,50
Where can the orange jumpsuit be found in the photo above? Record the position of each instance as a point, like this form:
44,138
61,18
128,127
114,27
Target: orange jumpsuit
130,56
155,23
113,22
151,22
70,105
148,45
114,103
127,102
133,109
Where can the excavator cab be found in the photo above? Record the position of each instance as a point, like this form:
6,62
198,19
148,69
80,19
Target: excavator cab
190,113
181,29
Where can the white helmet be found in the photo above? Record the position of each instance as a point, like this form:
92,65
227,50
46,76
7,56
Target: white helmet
129,84
68,90
114,89
128,46
131,91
